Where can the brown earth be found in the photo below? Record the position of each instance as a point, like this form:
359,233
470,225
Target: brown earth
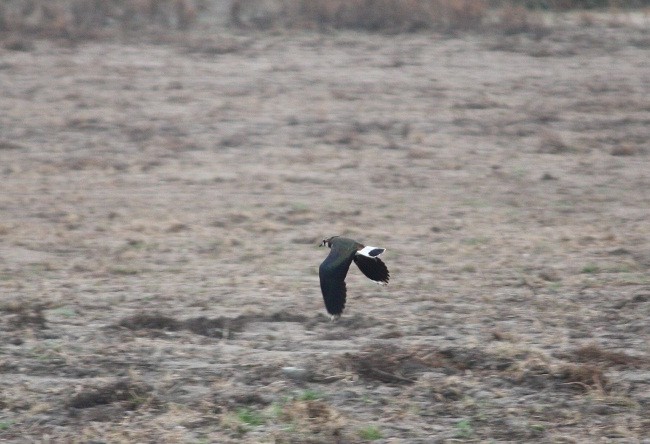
161,204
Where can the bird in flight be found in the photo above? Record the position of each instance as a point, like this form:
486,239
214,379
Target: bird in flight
335,267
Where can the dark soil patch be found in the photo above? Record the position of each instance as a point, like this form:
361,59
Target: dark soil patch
153,321
124,390
25,316
214,328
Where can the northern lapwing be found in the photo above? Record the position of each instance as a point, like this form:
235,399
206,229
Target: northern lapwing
335,267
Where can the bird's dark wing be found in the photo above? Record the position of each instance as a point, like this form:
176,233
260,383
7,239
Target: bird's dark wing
332,274
373,268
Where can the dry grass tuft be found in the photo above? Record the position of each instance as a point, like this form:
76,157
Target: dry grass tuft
314,421
582,376
312,411
385,364
594,353
625,150
390,364
552,143
500,335
539,372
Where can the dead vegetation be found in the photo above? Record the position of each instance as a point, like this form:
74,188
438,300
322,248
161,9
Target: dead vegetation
582,376
75,19
162,204
583,369
84,19
449,16
369,15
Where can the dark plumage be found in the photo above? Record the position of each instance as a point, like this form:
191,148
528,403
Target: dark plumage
335,267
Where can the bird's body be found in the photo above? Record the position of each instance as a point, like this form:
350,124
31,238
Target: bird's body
334,269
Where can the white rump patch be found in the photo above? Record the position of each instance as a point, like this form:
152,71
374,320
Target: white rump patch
371,251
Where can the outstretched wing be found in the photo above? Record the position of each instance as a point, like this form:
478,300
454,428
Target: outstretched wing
332,274
373,268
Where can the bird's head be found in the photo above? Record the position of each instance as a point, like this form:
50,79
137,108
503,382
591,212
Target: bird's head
327,242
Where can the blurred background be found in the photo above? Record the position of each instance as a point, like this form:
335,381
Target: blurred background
88,18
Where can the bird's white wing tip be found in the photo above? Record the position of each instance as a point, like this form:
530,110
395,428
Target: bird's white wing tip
371,251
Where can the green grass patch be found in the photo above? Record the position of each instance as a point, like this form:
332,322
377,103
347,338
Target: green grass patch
299,207
310,395
370,433
554,287
464,429
66,312
538,427
136,244
475,240
590,269
250,417
124,271
276,410
475,203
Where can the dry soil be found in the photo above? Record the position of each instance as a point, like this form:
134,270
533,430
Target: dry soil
161,205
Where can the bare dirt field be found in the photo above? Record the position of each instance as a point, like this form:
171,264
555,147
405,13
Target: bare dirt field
161,205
